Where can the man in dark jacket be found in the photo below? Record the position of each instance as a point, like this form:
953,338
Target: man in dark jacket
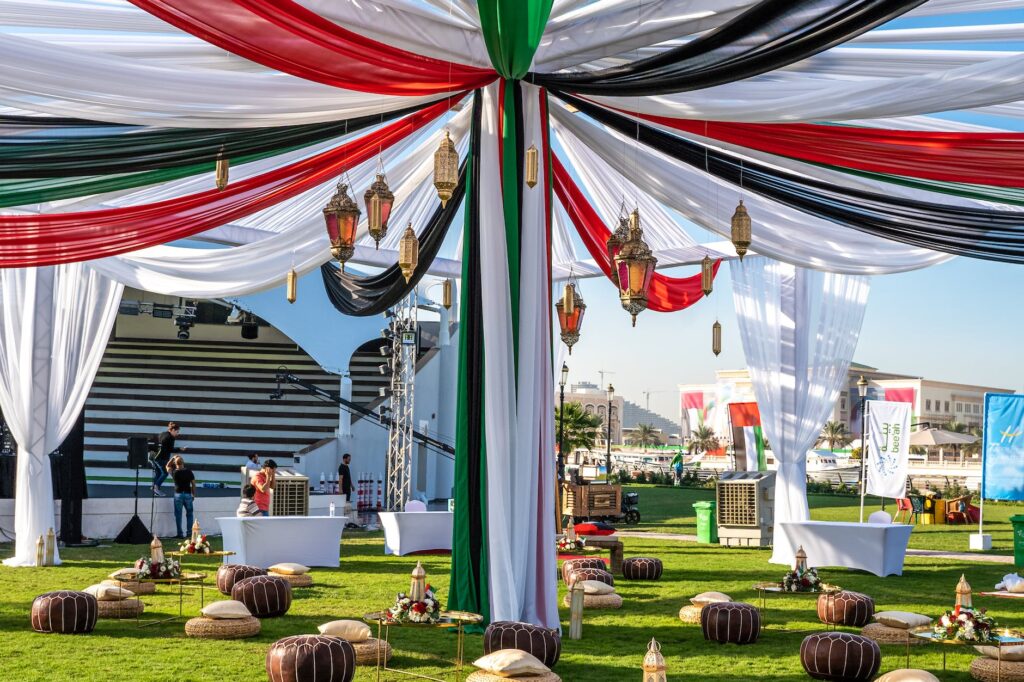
345,478
165,448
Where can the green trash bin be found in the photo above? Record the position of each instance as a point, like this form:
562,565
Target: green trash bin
1018,539
707,528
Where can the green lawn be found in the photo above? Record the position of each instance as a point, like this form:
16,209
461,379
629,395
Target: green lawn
665,509
610,651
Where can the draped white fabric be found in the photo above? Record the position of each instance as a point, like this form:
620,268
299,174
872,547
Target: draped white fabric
54,324
787,234
799,330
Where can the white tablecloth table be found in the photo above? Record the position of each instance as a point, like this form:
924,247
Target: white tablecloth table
267,540
407,532
878,548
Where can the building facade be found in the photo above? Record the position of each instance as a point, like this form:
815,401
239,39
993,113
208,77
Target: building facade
595,401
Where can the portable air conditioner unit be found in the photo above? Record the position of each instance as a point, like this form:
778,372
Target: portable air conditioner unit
291,494
745,508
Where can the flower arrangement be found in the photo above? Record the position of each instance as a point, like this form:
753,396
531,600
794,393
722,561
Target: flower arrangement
801,580
428,610
199,545
160,570
568,544
965,625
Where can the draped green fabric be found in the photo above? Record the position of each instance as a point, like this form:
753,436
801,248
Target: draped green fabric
1003,195
512,30
512,193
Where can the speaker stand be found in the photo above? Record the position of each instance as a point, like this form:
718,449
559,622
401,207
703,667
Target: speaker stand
135,531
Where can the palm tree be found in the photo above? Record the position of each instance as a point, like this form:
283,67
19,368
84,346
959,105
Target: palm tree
580,427
703,439
955,427
835,434
644,435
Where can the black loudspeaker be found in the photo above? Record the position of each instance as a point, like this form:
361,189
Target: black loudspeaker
138,452
250,330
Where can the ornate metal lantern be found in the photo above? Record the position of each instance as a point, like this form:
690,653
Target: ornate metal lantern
800,563
221,170
570,309
963,594
532,166
342,217
614,245
654,663
378,200
408,253
707,275
634,264
418,584
292,288
716,338
156,550
741,230
446,294
446,169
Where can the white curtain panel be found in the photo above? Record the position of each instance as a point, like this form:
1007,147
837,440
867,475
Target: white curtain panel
54,324
799,330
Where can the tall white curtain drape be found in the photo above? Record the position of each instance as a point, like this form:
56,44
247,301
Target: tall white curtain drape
54,324
799,330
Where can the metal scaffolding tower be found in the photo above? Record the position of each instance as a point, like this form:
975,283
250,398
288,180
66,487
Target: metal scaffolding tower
404,337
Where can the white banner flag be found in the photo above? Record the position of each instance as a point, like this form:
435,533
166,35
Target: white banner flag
888,447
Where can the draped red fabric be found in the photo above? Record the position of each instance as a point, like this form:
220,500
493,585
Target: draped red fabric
977,158
667,294
283,35
33,240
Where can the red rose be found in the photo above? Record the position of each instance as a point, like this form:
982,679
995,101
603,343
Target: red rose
419,607
805,582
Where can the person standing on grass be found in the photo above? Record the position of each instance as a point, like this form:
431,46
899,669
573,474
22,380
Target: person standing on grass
345,476
184,495
264,483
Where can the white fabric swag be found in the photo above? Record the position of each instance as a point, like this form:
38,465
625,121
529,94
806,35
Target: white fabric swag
799,330
54,324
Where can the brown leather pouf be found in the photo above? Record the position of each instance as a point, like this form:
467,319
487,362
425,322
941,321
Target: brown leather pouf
840,657
542,643
604,576
264,595
311,658
229,574
570,565
730,622
846,608
641,568
64,612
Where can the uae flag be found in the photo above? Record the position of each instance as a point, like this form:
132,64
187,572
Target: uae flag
746,416
696,409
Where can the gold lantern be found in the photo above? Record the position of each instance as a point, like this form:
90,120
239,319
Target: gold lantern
196,531
634,264
342,217
40,551
51,547
446,169
800,564
378,200
576,600
963,594
707,275
446,294
156,551
741,230
292,288
408,253
614,245
570,309
418,586
221,170
531,170
654,663
716,338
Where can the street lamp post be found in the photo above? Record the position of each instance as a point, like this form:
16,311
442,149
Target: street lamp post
560,466
862,391
608,456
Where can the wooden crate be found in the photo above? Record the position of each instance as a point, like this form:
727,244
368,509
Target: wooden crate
599,499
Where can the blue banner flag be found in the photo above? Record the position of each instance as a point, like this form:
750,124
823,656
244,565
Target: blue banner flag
1002,472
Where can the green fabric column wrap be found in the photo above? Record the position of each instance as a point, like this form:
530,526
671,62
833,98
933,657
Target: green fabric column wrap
762,462
512,30
512,192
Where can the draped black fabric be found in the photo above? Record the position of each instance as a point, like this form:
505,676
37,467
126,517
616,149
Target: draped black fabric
770,35
988,234
364,296
76,150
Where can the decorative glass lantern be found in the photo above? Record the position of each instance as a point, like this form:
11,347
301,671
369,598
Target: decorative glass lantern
570,317
716,338
418,585
707,275
800,563
378,200
408,253
741,230
963,594
221,170
532,166
342,217
156,551
292,288
446,169
634,264
654,663
614,245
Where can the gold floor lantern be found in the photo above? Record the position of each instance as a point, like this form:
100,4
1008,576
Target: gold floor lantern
379,200
221,170
800,562
963,594
570,309
408,253
707,275
532,169
292,288
634,265
446,169
614,244
418,583
741,230
654,663
342,217
716,338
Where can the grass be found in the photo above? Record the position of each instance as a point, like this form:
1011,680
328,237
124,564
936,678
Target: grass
611,650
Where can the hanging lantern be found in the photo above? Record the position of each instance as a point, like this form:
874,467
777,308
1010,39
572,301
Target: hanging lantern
342,217
707,275
532,166
446,294
800,562
614,245
963,594
716,338
634,264
378,200
741,230
292,288
408,253
569,321
446,169
654,663
221,170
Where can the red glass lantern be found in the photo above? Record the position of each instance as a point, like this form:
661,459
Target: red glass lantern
634,265
378,200
570,309
342,217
